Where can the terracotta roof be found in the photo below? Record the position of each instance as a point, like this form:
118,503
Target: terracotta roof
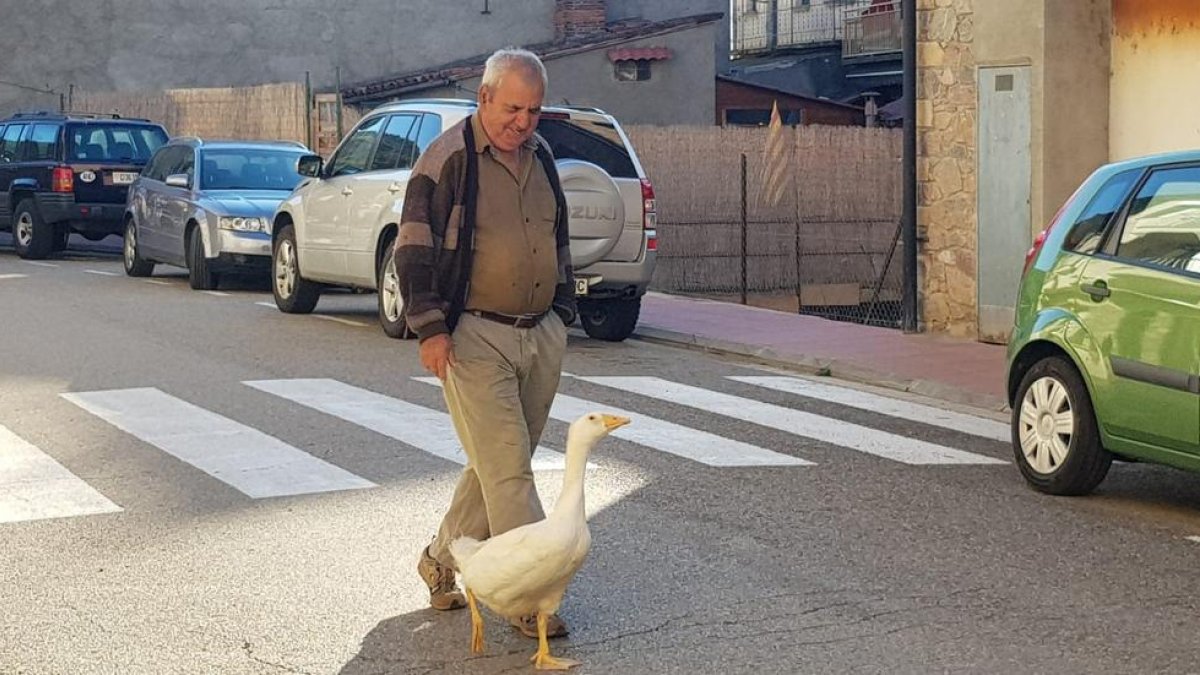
639,54
614,34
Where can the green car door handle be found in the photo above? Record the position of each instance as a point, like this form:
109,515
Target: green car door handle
1098,290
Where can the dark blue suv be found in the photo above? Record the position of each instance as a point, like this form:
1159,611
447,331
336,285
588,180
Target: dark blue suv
69,172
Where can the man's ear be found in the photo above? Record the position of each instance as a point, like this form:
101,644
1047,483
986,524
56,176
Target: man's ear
484,94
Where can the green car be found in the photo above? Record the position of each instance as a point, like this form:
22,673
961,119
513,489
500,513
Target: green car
1104,360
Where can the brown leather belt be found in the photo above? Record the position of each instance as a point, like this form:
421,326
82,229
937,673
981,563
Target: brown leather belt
516,321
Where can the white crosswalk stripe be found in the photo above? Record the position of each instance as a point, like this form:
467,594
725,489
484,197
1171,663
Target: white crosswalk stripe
418,426
884,405
244,458
808,425
676,439
33,486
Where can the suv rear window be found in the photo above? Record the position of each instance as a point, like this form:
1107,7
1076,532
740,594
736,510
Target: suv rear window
113,142
591,141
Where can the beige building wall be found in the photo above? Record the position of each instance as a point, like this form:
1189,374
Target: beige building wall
1155,61
1065,45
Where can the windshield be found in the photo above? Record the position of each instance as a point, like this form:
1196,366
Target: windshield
114,142
248,169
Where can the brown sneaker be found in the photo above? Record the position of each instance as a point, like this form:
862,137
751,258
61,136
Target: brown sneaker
443,591
555,626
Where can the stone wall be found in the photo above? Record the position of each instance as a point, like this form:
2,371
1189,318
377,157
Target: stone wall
946,151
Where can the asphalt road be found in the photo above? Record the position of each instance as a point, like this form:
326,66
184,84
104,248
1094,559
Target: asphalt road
242,491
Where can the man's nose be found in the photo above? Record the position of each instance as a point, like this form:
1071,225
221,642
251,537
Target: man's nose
522,121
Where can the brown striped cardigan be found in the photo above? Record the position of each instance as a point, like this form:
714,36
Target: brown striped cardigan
436,239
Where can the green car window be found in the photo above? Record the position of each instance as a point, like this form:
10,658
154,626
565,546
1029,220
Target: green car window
1088,231
1163,225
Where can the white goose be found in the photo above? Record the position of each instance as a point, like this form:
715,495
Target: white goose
526,570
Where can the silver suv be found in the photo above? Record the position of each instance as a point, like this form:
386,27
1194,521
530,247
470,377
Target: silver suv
337,226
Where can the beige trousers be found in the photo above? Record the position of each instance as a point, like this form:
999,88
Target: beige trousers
499,393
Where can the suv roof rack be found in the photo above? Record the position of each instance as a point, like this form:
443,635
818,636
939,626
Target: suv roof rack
582,108
68,114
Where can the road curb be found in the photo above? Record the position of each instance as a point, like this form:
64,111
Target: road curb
813,365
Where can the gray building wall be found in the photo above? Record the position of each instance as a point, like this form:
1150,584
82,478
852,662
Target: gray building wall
128,45
659,10
681,90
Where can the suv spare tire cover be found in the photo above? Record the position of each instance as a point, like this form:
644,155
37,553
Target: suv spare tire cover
596,210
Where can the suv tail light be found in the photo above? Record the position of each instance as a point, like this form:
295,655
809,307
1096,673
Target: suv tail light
62,180
649,215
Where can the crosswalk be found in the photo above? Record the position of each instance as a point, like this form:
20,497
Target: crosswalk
34,486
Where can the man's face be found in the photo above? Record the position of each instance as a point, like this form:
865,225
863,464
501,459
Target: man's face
509,112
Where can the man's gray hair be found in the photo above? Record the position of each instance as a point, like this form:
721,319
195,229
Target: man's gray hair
507,60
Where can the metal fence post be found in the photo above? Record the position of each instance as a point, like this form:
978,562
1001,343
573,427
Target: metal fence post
743,228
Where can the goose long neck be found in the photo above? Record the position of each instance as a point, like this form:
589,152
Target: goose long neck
570,500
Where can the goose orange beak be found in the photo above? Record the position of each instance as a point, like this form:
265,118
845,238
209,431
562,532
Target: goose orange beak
614,421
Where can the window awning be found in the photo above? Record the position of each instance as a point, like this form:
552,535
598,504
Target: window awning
639,54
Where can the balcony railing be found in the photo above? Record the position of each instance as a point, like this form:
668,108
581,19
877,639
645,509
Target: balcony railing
877,32
861,26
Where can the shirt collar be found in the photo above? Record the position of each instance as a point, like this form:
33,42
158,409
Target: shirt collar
482,142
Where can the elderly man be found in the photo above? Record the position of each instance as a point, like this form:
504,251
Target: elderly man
485,267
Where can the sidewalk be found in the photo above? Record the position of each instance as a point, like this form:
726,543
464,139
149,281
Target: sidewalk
951,369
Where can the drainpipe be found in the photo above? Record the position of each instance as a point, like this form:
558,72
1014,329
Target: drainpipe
772,25
909,216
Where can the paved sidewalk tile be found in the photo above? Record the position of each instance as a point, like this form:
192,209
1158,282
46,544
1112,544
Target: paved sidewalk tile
960,370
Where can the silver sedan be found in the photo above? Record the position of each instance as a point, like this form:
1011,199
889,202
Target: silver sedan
207,206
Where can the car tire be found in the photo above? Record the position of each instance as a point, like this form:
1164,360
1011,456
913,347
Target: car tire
611,320
1055,437
33,238
201,276
293,293
391,302
62,237
135,264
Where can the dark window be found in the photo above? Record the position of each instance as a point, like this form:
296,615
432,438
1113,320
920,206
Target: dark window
154,169
248,169
592,141
9,144
431,126
760,117
356,151
114,142
43,142
397,146
178,160
632,70
1163,225
1088,231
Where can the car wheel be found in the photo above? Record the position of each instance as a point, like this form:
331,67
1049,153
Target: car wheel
391,302
611,320
201,276
33,238
62,237
1055,436
135,265
293,293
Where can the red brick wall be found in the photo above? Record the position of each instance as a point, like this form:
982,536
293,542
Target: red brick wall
578,17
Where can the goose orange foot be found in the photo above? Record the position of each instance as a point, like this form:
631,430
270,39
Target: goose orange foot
542,659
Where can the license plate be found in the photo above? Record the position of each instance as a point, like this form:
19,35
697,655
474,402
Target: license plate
123,177
581,287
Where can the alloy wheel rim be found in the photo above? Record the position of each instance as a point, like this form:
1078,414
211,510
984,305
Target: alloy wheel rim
391,292
130,245
285,270
1046,425
25,228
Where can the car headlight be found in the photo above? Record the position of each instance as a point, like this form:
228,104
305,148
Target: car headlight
241,224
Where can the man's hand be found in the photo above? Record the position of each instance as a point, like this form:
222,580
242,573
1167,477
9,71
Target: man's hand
437,355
